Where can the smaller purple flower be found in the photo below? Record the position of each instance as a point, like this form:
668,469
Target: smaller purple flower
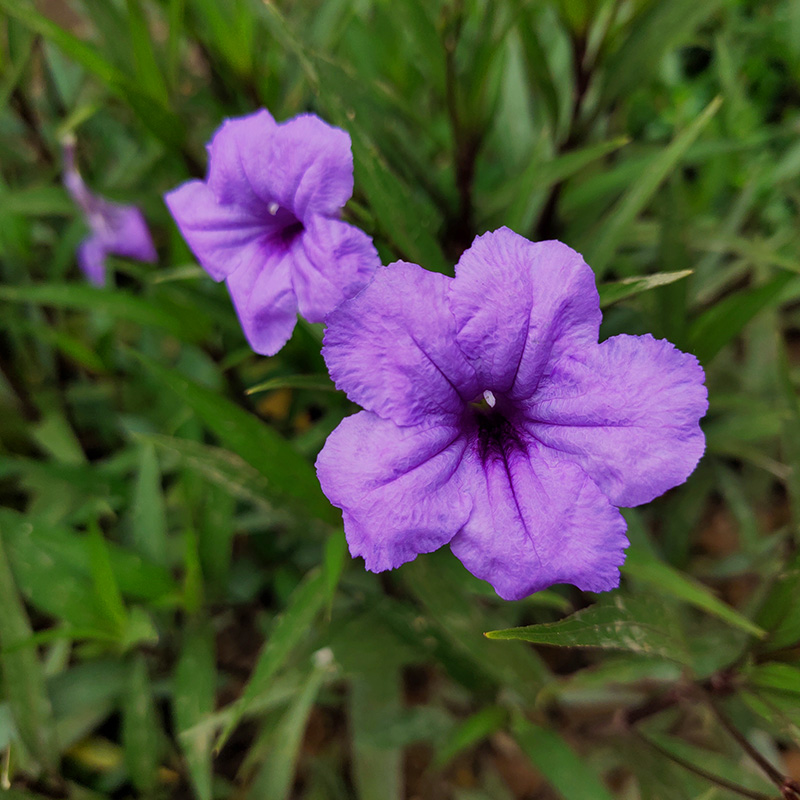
266,220
496,423
115,229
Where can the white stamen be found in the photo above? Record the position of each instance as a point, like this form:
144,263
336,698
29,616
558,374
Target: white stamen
489,398
273,208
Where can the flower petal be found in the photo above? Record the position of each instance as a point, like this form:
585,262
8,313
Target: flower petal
236,141
128,235
264,299
304,165
518,304
537,521
392,347
224,238
333,262
92,260
397,487
628,412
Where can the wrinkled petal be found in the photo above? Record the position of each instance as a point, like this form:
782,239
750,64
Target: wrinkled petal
92,260
236,141
265,302
304,165
520,304
397,487
628,412
392,347
333,263
224,238
537,521
127,234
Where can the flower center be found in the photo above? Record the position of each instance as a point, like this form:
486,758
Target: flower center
485,403
284,224
494,427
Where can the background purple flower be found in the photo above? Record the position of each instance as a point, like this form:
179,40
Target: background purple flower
266,221
495,421
116,229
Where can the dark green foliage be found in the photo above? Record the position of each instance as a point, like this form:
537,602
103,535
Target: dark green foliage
178,613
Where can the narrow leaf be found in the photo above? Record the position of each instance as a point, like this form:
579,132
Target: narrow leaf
290,628
664,578
275,777
149,524
718,325
622,622
117,304
315,382
22,673
141,731
563,768
290,476
193,700
611,293
225,469
616,223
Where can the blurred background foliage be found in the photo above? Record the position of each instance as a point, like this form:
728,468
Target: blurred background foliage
178,614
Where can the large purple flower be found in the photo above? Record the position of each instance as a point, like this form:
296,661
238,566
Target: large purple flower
266,221
495,421
114,229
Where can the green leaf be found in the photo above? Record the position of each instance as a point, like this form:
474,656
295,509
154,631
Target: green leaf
290,476
475,729
375,699
220,466
521,193
613,227
36,201
664,578
22,673
149,524
117,304
563,768
275,777
291,627
658,28
317,383
195,682
148,73
109,597
55,436
611,293
790,440
632,624
775,675
394,205
438,582
39,551
718,325
141,731
165,125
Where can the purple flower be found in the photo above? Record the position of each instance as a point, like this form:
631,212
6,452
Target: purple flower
114,229
266,221
495,421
